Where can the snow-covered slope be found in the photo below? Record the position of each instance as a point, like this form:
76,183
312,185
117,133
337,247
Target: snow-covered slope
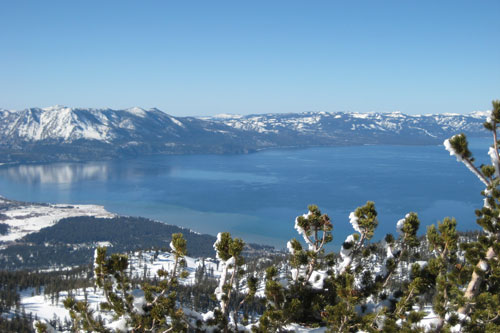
326,124
143,264
146,264
62,133
24,218
60,123
55,123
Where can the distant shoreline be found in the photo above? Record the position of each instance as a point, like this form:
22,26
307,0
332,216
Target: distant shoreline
258,150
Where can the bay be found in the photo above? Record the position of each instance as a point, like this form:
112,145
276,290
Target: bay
257,196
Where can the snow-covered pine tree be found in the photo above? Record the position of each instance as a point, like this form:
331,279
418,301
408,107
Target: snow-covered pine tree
229,252
479,309
347,293
299,297
444,271
155,311
367,295
342,315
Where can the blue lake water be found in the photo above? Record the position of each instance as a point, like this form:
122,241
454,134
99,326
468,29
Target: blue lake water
257,196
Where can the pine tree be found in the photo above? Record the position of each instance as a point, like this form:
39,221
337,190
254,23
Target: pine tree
444,269
158,312
367,299
229,252
300,298
340,291
480,306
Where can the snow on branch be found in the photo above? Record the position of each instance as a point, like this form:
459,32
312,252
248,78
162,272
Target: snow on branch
494,159
302,232
400,224
353,219
346,253
464,155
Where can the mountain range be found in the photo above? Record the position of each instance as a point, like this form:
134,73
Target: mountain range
61,133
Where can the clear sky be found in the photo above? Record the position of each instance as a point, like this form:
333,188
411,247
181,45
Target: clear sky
209,57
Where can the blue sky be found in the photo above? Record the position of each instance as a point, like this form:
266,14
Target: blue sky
209,57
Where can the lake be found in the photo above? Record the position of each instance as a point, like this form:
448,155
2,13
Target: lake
257,196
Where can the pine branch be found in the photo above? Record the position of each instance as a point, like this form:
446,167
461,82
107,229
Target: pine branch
475,170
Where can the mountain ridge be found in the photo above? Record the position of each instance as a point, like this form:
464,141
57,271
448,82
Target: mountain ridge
60,133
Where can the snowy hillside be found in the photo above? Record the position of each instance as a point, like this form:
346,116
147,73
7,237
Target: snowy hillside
67,124
326,124
142,264
61,133
24,218
146,264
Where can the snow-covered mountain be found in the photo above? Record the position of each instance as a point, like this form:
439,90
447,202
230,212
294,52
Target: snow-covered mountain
354,128
62,133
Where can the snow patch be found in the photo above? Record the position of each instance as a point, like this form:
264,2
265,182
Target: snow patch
137,111
119,325
177,122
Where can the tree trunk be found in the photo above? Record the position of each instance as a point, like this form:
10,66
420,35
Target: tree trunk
475,282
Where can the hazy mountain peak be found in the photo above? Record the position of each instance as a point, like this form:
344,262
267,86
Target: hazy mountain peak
227,115
137,111
56,107
481,114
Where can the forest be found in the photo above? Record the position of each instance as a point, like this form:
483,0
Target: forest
72,241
